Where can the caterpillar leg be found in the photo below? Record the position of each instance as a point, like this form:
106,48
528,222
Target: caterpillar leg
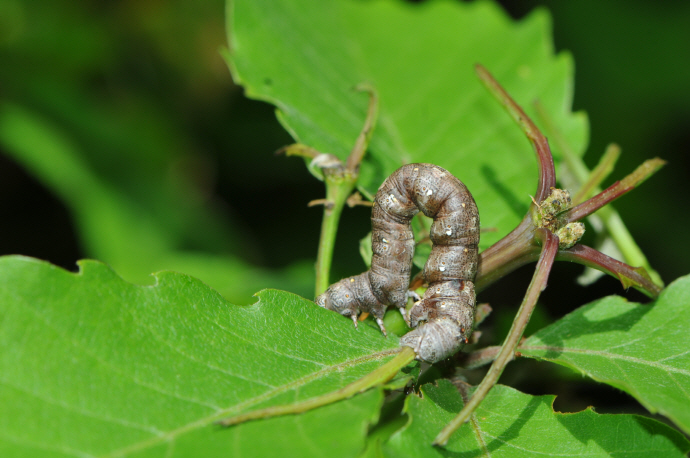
379,321
414,295
403,311
354,320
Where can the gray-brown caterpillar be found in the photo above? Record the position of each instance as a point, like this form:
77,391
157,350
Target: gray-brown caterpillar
443,318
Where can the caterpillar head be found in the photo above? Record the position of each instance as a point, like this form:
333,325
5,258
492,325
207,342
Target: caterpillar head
436,340
341,299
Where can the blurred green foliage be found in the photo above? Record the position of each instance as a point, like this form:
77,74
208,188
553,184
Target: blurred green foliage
127,113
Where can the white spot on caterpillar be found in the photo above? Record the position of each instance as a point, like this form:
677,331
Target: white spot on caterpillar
429,192
463,205
442,268
449,231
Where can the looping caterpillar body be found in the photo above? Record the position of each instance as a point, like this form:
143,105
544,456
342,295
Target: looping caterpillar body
443,318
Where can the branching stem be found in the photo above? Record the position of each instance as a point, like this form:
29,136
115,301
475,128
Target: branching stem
340,182
611,219
547,172
616,190
339,186
537,285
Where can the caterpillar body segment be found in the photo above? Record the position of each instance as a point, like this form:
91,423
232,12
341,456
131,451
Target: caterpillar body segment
443,319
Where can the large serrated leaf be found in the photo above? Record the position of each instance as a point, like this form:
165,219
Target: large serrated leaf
641,349
512,424
306,56
94,366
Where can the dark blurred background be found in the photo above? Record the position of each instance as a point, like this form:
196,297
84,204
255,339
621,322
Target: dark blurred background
141,89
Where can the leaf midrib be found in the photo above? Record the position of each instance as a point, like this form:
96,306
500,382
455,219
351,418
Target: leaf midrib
626,358
247,403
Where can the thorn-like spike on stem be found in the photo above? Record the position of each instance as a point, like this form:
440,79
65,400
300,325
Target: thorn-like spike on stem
325,202
298,149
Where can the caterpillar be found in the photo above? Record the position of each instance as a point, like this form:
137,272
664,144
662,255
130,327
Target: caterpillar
442,320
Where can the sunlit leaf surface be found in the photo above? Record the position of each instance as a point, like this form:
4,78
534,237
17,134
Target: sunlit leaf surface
639,348
512,424
94,366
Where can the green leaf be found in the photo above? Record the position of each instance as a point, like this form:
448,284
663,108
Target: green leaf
95,366
512,424
639,348
306,56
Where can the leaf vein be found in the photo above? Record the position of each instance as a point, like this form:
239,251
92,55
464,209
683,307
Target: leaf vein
46,447
612,356
202,422
82,411
84,349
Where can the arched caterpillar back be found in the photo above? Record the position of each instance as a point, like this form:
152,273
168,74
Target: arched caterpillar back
443,318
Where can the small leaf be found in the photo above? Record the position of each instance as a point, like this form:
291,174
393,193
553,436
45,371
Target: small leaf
512,424
93,365
639,348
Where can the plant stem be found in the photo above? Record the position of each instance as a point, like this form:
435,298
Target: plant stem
378,377
340,182
547,172
507,353
616,190
598,175
637,277
362,142
518,247
615,227
339,186
512,251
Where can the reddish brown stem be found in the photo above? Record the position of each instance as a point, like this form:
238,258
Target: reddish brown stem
636,277
549,249
547,172
362,142
617,189
512,251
